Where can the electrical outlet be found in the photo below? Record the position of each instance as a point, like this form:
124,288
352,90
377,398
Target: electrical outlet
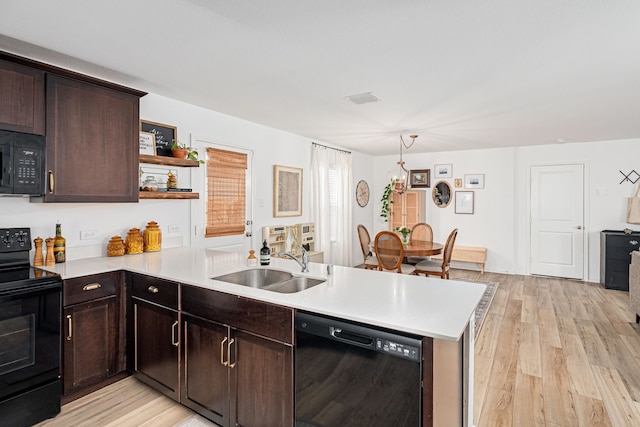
174,228
88,234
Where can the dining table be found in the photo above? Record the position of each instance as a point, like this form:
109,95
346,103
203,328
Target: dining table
422,248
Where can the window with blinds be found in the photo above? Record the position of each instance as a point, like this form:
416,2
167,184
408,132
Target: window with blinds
226,192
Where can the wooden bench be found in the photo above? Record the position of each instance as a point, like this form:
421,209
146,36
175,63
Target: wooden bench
468,254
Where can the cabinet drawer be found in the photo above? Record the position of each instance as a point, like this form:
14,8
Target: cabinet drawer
158,291
91,287
268,320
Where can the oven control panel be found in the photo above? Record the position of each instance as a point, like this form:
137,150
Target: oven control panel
15,239
398,349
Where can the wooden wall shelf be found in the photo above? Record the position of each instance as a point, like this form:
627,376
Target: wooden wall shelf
170,161
168,195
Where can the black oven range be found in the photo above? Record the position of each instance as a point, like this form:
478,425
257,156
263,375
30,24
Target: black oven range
30,318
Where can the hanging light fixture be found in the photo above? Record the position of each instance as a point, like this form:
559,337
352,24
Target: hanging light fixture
401,181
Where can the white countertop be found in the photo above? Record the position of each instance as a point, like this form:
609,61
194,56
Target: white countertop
425,306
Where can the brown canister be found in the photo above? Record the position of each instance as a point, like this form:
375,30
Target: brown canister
115,246
152,237
134,242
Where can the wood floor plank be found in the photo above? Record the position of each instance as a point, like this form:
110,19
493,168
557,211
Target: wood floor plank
620,406
529,309
497,409
558,399
591,412
528,404
549,334
529,351
578,367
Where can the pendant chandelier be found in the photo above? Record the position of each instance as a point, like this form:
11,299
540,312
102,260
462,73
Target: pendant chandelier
401,180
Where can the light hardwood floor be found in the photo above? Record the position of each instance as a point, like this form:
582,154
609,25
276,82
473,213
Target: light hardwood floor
551,352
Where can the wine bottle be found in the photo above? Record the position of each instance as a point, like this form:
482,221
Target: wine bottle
59,245
265,254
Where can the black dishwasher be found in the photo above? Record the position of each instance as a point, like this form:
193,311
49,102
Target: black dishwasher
349,374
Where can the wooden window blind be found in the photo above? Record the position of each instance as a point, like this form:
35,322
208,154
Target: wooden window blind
226,192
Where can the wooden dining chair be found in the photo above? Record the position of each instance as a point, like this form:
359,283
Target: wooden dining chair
420,231
370,260
390,253
436,268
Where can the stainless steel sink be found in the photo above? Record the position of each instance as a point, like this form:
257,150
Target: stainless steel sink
295,284
270,280
255,277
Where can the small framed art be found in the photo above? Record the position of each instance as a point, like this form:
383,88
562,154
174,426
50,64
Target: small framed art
474,181
420,178
287,191
165,136
443,171
147,143
464,202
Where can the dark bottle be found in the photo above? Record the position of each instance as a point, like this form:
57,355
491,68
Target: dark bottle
59,245
265,254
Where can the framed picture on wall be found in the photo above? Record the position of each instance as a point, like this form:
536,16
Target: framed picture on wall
287,191
443,171
474,181
464,202
420,178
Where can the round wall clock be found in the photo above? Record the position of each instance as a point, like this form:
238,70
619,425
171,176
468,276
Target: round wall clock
362,193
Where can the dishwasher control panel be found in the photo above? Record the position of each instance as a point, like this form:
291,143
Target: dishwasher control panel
397,349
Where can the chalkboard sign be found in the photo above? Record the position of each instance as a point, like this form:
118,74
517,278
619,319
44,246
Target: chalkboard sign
165,135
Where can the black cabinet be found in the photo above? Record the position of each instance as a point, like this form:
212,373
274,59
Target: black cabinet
615,257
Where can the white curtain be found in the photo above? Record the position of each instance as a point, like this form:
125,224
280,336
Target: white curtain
331,183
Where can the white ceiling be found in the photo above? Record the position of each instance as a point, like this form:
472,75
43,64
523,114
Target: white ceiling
463,74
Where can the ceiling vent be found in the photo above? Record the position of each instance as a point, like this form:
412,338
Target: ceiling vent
363,98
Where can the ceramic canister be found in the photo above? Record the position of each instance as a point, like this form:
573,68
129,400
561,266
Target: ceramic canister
152,237
115,246
134,242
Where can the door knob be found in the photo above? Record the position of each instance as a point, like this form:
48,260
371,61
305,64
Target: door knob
579,227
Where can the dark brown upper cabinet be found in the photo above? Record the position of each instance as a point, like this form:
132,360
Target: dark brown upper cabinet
21,98
92,143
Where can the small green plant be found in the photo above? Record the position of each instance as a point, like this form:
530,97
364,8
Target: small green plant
404,231
385,212
192,153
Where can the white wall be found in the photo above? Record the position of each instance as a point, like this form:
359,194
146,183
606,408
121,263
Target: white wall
270,146
500,221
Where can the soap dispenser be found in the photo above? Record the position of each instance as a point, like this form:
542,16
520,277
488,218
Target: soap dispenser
265,254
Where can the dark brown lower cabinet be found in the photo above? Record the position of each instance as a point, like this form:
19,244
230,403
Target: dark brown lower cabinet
233,376
156,347
93,332
90,343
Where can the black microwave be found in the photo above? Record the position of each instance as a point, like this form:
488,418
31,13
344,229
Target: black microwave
21,163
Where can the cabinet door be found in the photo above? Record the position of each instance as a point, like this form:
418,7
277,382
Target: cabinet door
262,386
21,98
156,347
205,383
407,209
92,143
90,343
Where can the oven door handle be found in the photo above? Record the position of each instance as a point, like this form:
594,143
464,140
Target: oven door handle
31,289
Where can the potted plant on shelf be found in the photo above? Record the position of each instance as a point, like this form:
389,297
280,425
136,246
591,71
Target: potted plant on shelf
181,151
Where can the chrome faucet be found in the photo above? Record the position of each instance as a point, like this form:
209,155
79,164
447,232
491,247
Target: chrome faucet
303,263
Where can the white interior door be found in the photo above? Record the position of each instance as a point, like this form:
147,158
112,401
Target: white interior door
236,243
557,221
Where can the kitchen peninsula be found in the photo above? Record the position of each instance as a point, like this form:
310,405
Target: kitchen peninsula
440,311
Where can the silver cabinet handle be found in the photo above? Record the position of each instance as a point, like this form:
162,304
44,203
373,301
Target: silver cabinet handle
231,365
91,287
174,334
70,325
152,289
222,361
